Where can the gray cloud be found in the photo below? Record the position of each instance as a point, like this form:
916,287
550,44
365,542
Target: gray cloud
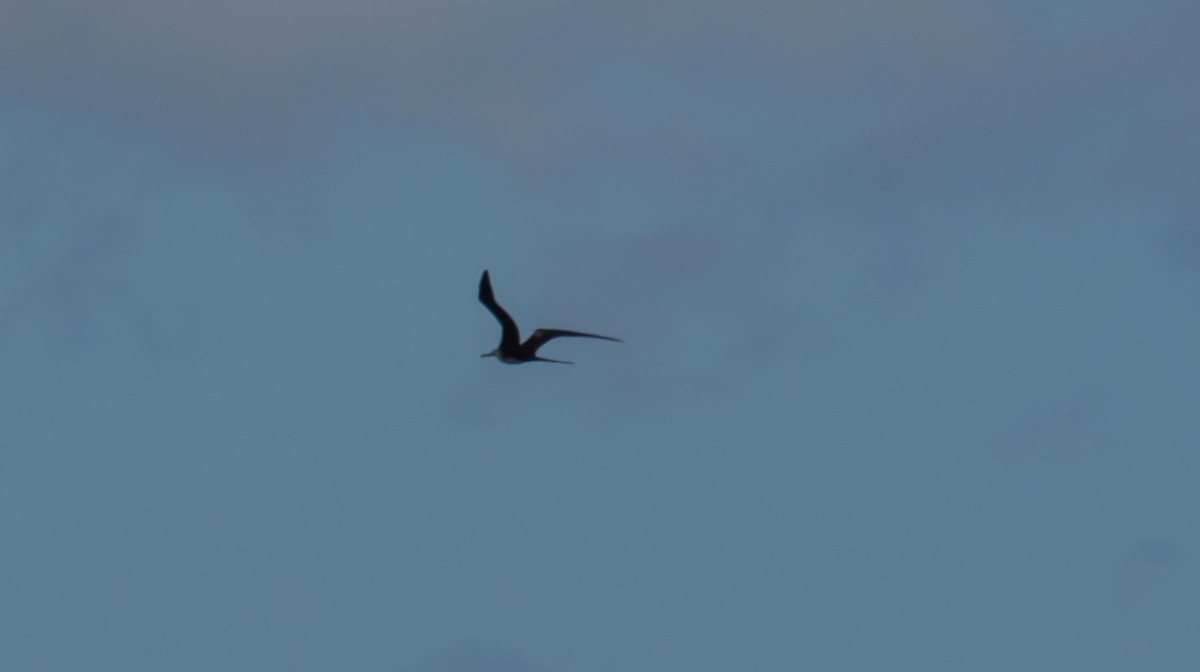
528,80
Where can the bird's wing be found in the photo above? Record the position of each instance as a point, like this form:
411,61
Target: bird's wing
540,336
510,336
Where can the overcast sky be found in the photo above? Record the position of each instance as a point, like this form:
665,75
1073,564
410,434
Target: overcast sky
910,295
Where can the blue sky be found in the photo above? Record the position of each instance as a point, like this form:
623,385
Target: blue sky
910,295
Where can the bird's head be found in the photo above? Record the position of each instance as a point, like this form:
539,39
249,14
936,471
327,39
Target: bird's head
493,353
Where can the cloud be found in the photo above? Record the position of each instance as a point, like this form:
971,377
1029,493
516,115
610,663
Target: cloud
521,78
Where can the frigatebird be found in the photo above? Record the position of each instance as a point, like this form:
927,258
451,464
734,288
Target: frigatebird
512,350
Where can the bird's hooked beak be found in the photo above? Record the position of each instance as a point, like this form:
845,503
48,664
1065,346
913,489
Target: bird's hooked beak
489,354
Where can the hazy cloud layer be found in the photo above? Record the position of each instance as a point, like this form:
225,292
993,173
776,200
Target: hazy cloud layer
908,292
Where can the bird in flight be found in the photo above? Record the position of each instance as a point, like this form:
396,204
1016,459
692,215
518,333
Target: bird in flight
512,350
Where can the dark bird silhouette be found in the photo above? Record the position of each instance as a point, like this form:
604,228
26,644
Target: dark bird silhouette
512,350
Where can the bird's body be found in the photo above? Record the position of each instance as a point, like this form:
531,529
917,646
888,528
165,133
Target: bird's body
511,350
